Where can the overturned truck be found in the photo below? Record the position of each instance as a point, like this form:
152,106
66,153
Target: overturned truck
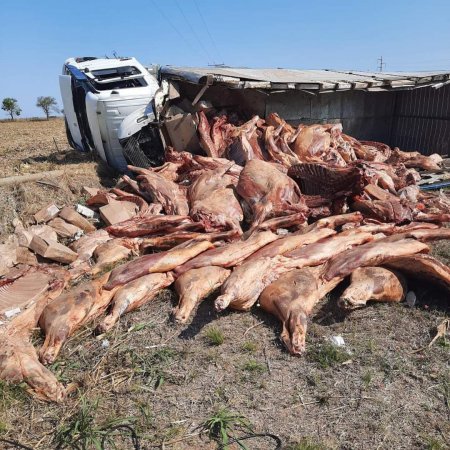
129,114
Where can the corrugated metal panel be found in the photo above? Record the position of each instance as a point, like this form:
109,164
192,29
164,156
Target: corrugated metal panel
364,115
422,120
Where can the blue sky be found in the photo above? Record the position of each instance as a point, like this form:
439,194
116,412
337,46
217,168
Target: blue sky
37,36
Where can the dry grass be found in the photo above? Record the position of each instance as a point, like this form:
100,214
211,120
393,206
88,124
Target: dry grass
167,381
36,146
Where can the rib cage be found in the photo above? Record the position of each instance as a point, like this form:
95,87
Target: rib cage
330,182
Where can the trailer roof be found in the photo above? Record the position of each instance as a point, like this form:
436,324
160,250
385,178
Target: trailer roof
311,80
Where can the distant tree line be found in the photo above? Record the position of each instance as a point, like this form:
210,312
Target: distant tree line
47,104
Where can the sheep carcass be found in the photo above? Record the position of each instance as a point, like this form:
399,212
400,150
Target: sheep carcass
194,286
269,192
372,284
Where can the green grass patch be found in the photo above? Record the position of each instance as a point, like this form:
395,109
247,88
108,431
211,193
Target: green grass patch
249,347
305,444
223,425
367,378
328,355
254,366
81,431
215,336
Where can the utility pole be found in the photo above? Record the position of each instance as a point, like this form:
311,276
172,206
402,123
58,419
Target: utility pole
381,64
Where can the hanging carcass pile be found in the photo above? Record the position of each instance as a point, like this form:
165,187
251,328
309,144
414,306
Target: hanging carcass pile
272,213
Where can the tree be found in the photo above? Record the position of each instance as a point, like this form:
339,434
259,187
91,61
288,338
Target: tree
11,106
47,104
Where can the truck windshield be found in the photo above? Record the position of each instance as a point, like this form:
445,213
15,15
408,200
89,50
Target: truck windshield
117,78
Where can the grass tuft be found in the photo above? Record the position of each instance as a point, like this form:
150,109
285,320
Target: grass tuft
254,366
215,336
249,347
328,355
367,378
80,430
10,393
305,444
432,443
222,426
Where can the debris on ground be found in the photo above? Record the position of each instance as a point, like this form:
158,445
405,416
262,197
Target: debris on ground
338,341
347,208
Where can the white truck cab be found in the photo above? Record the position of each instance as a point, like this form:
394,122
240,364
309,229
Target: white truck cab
97,95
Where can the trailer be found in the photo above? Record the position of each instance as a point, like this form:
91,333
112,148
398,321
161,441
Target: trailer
125,122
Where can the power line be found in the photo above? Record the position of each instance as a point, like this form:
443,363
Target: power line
205,51
381,64
207,30
183,38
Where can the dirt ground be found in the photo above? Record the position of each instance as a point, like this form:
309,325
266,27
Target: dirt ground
35,146
386,389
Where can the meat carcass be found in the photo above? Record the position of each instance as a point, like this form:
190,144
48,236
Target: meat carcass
291,298
210,180
372,284
376,151
384,210
432,217
112,252
243,287
206,143
143,225
178,237
25,289
163,191
229,255
416,160
219,211
268,192
319,252
335,221
241,149
156,262
284,155
133,295
382,175
275,121
18,358
194,286
377,193
422,266
220,131
133,186
425,234
19,363
293,220
213,201
371,254
313,144
71,310
193,165
142,205
85,247
291,242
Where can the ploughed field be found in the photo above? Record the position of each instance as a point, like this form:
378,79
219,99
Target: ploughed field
385,389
